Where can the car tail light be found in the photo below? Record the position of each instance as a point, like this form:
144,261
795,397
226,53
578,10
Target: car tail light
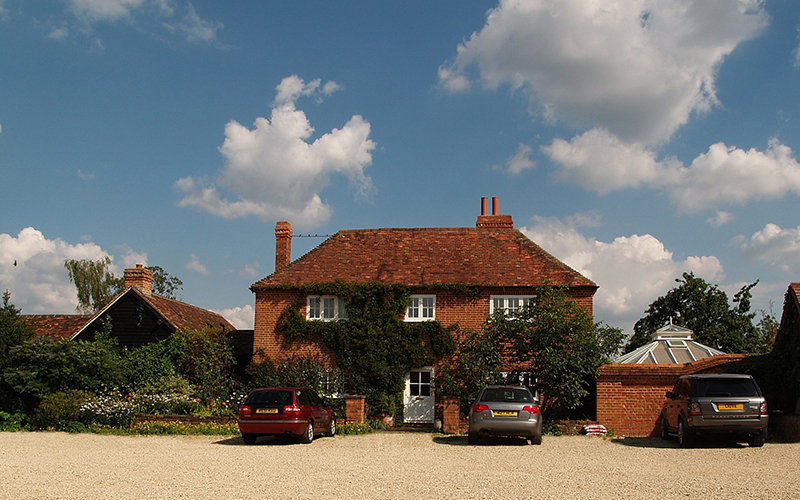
763,408
694,409
479,408
531,409
289,409
244,410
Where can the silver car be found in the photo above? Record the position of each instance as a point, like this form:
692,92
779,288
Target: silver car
721,404
505,411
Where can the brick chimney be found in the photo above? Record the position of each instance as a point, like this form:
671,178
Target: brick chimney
283,245
495,220
141,278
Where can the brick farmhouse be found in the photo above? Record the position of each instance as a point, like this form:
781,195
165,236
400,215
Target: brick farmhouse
499,260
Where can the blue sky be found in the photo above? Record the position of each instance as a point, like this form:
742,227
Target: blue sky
635,140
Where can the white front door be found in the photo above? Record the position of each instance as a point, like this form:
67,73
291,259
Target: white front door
418,396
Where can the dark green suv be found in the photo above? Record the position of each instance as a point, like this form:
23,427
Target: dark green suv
721,404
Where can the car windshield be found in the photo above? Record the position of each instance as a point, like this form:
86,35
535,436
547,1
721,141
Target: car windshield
270,398
726,387
506,395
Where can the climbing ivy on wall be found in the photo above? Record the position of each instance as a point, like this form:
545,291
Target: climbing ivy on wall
374,346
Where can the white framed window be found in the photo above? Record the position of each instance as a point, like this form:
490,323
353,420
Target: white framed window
325,308
422,308
510,304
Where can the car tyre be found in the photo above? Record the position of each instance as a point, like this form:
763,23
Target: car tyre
308,435
472,438
664,428
756,441
331,428
536,439
684,438
249,438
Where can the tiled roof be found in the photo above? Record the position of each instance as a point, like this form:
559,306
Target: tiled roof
425,256
183,315
57,326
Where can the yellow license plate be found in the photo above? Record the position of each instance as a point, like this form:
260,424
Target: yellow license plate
266,410
501,413
730,406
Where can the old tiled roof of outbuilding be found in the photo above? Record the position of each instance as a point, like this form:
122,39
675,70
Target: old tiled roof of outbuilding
56,326
178,314
483,256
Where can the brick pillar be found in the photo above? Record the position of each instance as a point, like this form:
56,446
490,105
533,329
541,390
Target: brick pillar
355,409
451,416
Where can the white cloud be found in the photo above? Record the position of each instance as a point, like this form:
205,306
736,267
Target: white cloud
631,271
250,270
104,10
272,169
777,247
243,318
194,264
725,175
521,160
192,27
598,161
32,269
720,219
637,68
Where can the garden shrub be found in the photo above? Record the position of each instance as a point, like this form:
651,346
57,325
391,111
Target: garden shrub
153,364
208,362
297,371
10,422
58,410
108,410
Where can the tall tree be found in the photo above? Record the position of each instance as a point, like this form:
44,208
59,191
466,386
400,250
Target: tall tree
96,285
704,309
13,329
164,284
556,340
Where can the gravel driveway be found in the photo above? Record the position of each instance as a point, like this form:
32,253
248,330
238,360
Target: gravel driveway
387,465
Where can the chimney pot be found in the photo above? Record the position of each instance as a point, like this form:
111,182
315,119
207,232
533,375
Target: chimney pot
495,220
484,206
495,206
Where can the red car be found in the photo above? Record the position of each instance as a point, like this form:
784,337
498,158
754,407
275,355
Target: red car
285,411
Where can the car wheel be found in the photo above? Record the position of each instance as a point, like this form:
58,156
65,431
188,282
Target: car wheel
664,429
472,438
308,435
756,441
684,438
536,439
249,438
331,428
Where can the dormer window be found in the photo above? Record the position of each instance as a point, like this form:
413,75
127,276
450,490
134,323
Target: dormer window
325,308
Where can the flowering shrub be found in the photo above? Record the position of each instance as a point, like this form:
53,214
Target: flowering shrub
166,404
171,428
108,410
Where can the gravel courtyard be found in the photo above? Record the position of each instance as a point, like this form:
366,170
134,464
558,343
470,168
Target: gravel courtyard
387,465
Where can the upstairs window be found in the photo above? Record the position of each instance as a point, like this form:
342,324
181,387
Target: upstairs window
325,308
510,304
422,308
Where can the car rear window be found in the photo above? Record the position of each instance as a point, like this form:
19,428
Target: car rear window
275,399
507,396
726,387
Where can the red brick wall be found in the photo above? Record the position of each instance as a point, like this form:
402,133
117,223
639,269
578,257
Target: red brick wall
468,311
630,397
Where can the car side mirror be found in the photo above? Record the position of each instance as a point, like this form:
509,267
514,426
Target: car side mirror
669,395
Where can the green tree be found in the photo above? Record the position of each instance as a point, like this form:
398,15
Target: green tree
164,284
704,309
556,340
96,285
13,329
